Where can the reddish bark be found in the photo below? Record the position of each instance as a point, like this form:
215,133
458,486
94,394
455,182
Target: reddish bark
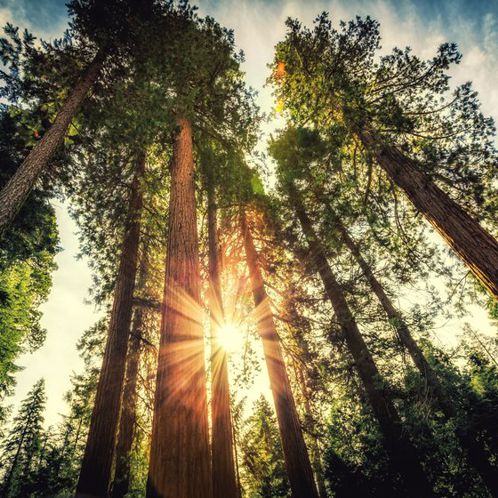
17,189
473,244
223,466
295,452
127,419
179,458
95,474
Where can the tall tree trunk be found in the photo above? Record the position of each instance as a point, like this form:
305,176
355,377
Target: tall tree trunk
403,455
95,474
315,448
17,189
302,350
223,466
295,452
473,244
179,459
236,459
475,452
127,419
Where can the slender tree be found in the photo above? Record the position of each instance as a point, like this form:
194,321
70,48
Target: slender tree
127,419
180,428
404,456
95,474
294,448
17,189
305,369
476,453
135,417
400,103
22,447
223,466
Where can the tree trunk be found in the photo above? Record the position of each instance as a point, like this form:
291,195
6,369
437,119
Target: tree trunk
315,449
179,458
295,452
128,415
403,455
317,465
475,452
96,467
236,458
223,466
17,189
473,244
302,351
127,420
306,392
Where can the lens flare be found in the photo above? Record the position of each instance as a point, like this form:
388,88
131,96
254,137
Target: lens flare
231,338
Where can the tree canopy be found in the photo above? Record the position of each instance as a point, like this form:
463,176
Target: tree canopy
269,319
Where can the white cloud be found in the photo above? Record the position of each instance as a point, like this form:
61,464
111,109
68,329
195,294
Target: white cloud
259,25
16,13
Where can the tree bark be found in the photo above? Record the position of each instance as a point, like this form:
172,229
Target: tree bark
295,452
127,419
95,474
128,415
475,452
473,244
180,459
403,455
17,189
223,466
306,392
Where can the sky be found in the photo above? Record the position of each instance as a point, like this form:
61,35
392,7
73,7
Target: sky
258,25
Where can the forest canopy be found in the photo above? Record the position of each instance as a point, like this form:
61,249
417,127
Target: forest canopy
269,300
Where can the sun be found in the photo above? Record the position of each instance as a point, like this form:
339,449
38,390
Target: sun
231,337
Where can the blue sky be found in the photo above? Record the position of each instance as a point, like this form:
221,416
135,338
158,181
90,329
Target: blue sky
258,25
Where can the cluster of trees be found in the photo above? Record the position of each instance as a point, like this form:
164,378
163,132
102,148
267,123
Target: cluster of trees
139,116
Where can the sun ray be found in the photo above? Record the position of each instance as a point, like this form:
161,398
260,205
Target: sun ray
231,337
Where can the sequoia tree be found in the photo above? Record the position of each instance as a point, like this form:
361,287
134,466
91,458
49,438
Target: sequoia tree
210,99
404,456
441,155
95,474
180,428
294,447
223,467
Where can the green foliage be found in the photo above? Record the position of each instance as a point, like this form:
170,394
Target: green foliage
26,262
23,446
59,464
264,473
335,77
163,61
23,288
